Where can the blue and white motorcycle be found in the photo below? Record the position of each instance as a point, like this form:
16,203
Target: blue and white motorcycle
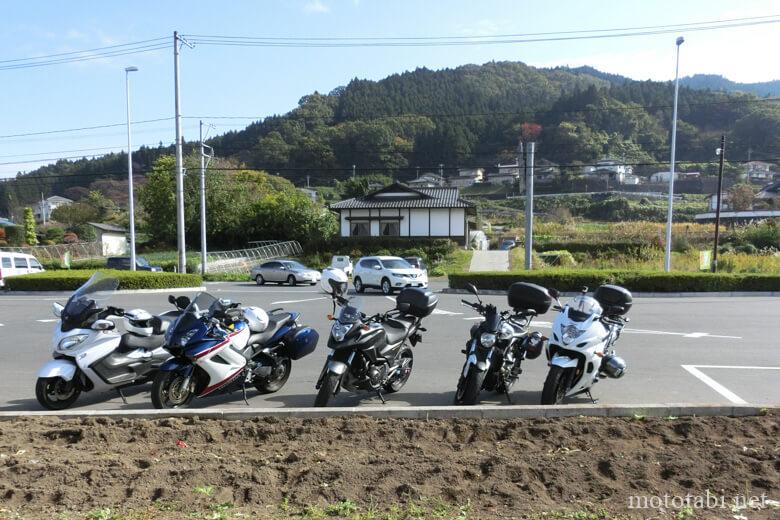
90,355
581,350
219,347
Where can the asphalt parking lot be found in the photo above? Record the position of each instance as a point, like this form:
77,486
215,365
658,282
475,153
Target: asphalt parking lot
709,350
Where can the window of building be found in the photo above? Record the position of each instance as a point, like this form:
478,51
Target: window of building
390,228
360,229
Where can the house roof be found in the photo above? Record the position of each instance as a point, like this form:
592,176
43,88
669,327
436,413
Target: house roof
58,199
401,196
107,227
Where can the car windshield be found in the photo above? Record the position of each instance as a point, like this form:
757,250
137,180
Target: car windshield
396,263
294,265
141,261
98,288
585,304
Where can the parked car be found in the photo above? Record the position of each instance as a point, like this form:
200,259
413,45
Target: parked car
343,263
281,271
416,261
14,264
507,244
123,263
387,273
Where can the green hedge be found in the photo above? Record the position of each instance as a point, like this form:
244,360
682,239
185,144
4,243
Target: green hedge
71,280
638,281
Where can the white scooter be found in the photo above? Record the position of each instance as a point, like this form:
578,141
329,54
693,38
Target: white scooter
91,355
581,349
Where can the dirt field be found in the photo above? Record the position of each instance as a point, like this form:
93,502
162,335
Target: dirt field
579,468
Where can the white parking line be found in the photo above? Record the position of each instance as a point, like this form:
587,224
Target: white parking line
48,320
734,366
299,301
707,380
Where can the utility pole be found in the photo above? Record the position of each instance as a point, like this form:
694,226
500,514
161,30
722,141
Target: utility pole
721,152
202,204
441,174
179,160
529,207
307,181
353,171
43,210
130,197
670,209
418,172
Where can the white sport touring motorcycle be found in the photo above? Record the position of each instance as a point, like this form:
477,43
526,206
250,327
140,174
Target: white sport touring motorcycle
91,355
581,350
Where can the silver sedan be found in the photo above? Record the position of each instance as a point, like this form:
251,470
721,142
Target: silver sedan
284,271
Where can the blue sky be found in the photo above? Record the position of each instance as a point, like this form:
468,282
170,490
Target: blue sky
238,81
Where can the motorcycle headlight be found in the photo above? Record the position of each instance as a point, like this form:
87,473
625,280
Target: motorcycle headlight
571,333
340,330
71,341
506,331
186,337
487,339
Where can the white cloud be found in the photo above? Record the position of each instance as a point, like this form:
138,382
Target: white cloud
316,6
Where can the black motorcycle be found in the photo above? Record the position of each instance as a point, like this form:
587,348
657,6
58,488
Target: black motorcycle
499,343
373,353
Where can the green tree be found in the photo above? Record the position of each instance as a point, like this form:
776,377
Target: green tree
75,214
158,201
29,228
741,197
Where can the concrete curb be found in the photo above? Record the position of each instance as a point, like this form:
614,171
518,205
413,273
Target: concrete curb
722,294
121,291
420,412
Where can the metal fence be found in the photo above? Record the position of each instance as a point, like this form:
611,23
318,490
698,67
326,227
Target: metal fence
79,250
242,260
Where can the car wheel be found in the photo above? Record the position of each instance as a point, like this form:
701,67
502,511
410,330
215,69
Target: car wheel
386,287
291,280
358,283
259,279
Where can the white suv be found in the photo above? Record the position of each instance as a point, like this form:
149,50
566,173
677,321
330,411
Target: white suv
387,273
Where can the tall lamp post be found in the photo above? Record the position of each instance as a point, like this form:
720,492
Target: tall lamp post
131,205
668,254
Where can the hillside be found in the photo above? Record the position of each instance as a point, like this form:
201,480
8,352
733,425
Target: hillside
466,116
716,82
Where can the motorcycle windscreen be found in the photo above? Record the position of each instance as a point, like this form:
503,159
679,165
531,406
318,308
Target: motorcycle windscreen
83,302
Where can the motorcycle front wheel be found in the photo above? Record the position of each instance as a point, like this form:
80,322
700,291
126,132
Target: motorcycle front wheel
279,376
326,389
168,391
554,389
54,393
468,388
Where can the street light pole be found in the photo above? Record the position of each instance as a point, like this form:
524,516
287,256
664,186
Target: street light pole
721,153
130,201
668,252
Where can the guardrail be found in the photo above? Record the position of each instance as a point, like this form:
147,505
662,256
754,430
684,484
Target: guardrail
242,260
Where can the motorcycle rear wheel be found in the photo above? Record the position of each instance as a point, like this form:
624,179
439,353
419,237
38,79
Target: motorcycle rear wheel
398,382
167,391
468,389
326,390
54,393
554,389
279,376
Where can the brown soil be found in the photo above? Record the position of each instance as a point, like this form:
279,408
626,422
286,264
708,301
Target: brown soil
502,468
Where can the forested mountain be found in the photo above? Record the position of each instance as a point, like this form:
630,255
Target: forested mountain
467,116
717,82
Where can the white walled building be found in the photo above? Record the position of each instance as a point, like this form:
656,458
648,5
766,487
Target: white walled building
467,177
660,177
401,211
44,208
113,238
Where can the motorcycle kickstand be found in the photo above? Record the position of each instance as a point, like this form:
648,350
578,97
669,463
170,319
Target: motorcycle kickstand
122,395
594,401
243,392
508,398
379,393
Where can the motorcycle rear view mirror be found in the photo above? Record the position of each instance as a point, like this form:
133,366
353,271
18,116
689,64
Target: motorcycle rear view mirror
473,290
171,299
102,325
182,302
56,309
554,293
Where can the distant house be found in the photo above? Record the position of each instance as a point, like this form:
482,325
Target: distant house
546,172
427,180
612,169
662,177
759,172
42,210
312,194
724,201
505,174
632,180
467,177
402,211
771,192
113,238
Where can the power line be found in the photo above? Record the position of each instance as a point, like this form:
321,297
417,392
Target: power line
83,128
249,41
96,49
124,52
118,147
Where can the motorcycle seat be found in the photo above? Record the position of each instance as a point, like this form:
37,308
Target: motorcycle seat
132,341
397,328
276,322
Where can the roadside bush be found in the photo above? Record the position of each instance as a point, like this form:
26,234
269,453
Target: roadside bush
55,234
761,234
560,258
14,235
641,281
71,280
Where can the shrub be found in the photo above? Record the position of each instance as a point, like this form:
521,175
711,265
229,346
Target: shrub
55,234
15,235
71,280
643,281
560,258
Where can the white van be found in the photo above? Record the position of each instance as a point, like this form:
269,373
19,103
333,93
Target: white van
14,264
